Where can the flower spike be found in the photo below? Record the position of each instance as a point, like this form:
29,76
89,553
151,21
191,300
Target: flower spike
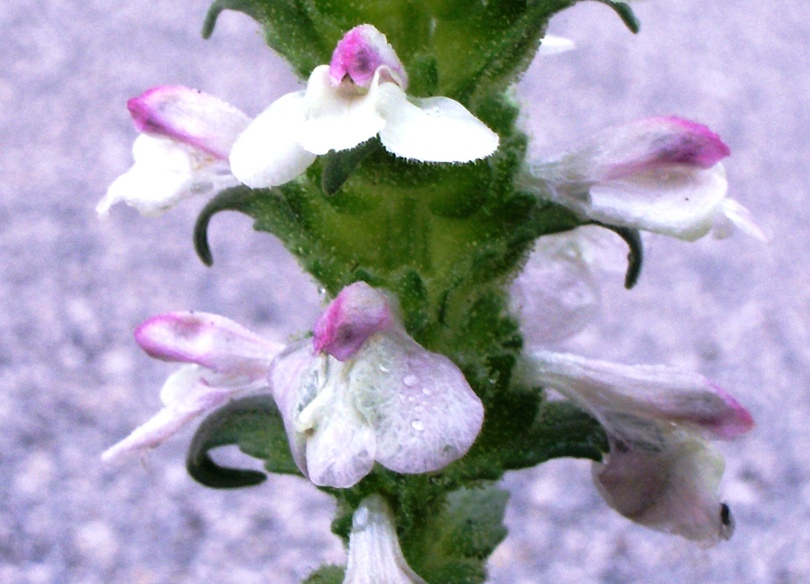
186,137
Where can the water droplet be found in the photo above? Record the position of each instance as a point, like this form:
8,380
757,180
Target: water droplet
426,391
384,369
410,380
418,425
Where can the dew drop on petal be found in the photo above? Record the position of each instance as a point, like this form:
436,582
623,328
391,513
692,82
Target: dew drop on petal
418,425
426,391
383,368
410,380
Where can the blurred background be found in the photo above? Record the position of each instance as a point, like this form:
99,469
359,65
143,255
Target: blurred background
72,288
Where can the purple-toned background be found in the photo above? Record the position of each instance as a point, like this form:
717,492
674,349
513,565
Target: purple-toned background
72,289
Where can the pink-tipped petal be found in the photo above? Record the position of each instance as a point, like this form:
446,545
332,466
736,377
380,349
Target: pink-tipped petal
189,116
353,316
652,143
654,392
659,472
209,340
360,53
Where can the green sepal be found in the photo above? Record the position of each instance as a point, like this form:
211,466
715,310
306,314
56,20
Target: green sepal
522,431
326,575
625,13
233,199
462,536
338,166
254,424
635,253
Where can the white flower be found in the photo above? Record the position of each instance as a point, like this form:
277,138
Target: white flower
365,391
361,391
374,553
222,360
553,45
658,174
186,137
660,471
359,95
556,295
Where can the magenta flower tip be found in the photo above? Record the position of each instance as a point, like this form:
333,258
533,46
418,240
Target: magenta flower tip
360,53
734,420
692,144
353,316
145,108
152,334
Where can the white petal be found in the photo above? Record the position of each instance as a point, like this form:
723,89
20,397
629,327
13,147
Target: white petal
555,294
294,383
677,200
339,118
732,214
435,129
340,442
553,45
674,488
423,411
165,172
268,153
185,395
330,441
374,553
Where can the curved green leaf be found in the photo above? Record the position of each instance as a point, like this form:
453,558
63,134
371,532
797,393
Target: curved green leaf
635,254
625,13
233,199
256,427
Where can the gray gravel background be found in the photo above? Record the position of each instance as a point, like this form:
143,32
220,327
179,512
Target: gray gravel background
72,288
